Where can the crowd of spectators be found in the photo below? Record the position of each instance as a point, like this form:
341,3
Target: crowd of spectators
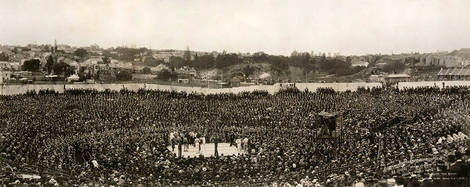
122,137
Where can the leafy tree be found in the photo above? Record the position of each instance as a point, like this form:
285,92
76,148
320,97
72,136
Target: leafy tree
411,60
226,60
107,53
129,54
4,57
151,61
80,52
32,65
302,60
260,57
249,70
394,67
279,64
143,50
336,66
166,75
323,58
124,76
146,70
373,59
62,68
177,62
203,62
49,64
83,76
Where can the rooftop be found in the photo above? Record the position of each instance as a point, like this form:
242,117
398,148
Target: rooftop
454,71
397,76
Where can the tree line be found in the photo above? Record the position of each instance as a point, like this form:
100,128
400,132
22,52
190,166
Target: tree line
279,63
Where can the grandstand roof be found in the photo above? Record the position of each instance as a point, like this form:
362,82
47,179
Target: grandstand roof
327,114
454,71
397,76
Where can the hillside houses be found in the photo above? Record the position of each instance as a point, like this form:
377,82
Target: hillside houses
91,62
166,55
444,60
457,58
185,70
359,63
116,64
159,68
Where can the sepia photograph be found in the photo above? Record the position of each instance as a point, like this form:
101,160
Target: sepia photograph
277,93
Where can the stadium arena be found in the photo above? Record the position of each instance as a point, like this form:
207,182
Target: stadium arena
292,137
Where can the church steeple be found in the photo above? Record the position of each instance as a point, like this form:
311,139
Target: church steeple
187,54
55,46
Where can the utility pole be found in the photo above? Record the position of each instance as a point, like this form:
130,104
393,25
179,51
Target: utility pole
179,147
216,142
306,77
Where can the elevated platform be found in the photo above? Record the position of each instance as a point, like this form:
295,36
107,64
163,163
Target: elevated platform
209,150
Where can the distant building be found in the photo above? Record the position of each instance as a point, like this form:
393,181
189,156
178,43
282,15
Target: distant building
235,82
105,73
454,73
143,76
95,47
15,66
73,78
183,81
92,61
443,60
66,60
167,54
22,74
376,78
116,64
185,70
394,78
287,85
222,84
214,83
163,57
359,64
159,68
138,68
19,57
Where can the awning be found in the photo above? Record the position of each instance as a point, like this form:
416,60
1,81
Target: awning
327,114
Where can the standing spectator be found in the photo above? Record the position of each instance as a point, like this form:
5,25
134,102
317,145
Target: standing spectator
239,144
198,146
216,142
245,144
203,140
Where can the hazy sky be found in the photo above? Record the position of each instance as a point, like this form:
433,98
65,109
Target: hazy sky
274,26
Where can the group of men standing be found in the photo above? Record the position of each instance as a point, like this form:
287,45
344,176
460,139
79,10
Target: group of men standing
185,139
241,144
182,140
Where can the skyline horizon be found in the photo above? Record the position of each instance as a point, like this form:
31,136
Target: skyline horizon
236,52
276,27
250,52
